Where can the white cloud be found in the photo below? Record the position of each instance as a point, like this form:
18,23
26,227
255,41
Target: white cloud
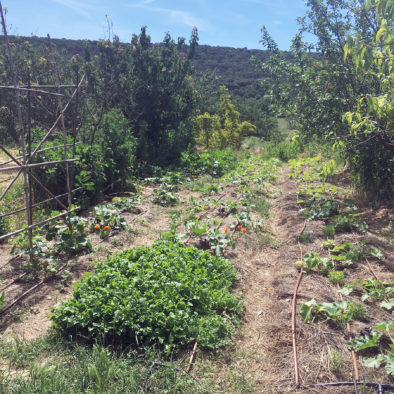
176,17
83,8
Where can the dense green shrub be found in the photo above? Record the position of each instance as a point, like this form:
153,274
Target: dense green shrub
166,294
215,163
106,165
118,147
259,113
284,150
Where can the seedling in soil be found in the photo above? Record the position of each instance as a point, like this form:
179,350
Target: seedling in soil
339,312
336,277
164,197
373,339
337,362
312,261
305,237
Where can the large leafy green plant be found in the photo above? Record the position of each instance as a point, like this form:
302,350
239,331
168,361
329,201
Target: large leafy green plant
167,294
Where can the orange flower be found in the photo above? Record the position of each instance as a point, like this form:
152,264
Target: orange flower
239,226
244,230
226,230
106,228
97,227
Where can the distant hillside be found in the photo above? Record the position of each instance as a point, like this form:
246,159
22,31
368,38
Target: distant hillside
231,65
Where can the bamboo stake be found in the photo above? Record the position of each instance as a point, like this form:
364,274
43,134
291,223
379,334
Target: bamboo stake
27,292
45,137
12,282
59,117
44,163
20,121
37,224
37,204
38,86
31,90
40,151
194,351
60,105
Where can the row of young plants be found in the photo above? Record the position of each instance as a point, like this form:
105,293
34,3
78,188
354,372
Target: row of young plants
319,201
178,290
218,233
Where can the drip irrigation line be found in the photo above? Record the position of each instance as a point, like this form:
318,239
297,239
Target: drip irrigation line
354,359
302,231
371,269
353,353
27,292
293,317
381,387
12,282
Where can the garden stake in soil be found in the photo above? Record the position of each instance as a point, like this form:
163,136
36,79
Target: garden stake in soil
192,356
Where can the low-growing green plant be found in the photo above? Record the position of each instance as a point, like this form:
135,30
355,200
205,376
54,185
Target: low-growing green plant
350,221
107,215
337,362
312,261
375,252
127,204
2,301
37,258
219,241
215,163
376,289
372,289
305,237
372,339
345,254
339,312
319,209
336,277
4,225
69,234
167,294
165,197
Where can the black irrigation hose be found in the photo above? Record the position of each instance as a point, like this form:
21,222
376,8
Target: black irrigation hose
381,387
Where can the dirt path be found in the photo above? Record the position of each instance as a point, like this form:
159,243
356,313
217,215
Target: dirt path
263,353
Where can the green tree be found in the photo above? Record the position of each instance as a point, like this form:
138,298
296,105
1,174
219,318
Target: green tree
223,129
161,97
317,89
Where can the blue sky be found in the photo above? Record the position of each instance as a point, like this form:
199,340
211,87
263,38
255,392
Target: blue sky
234,23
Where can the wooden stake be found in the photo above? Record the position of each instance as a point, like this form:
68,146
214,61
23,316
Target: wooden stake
194,351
